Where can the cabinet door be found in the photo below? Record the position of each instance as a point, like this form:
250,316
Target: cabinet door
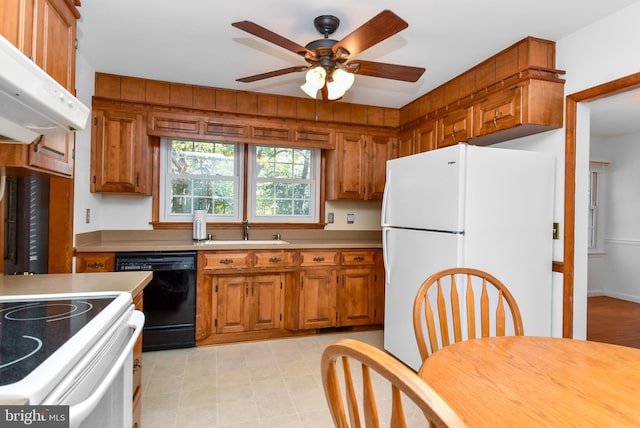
498,112
55,49
404,146
266,298
53,153
119,153
357,297
426,137
233,310
16,24
378,151
350,168
455,127
317,298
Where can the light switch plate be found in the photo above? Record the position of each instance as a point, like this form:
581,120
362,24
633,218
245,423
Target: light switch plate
351,218
329,217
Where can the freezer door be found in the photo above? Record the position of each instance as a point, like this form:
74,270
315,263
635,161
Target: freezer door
424,191
410,257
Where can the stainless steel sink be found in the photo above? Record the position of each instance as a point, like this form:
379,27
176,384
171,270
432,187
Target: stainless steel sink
242,242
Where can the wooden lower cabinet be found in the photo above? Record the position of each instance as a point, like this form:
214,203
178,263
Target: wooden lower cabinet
357,296
267,294
248,303
317,299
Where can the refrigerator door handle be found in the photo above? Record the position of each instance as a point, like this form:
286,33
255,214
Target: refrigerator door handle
385,195
385,255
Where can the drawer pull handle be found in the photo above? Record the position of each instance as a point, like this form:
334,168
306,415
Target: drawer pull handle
358,259
318,259
226,261
275,260
95,265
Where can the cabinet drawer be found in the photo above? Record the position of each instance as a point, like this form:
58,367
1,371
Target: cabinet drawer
271,259
318,258
95,262
223,261
358,257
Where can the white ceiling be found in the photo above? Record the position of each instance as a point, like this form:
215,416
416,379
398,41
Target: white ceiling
192,41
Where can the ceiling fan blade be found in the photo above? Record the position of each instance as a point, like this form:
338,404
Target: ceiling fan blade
383,25
386,71
274,73
270,36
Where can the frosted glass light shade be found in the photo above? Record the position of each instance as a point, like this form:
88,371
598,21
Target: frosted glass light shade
315,79
343,78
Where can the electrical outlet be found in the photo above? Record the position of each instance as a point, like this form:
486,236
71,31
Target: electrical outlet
351,218
87,218
556,230
330,218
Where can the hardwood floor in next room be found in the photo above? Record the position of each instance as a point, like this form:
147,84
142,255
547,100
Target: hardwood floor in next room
614,321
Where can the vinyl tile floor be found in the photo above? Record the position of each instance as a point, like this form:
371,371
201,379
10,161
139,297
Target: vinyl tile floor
264,384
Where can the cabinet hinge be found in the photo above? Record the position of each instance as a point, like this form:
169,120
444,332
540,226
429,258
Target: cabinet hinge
94,179
95,121
280,285
216,288
215,322
301,283
280,317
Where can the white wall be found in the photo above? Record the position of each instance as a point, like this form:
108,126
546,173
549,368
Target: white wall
596,54
615,272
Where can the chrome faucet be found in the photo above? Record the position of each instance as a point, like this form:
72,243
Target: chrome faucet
245,226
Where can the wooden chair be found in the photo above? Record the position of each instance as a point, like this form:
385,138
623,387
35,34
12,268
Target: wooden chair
459,297
403,382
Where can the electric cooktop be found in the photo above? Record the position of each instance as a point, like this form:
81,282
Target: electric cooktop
32,330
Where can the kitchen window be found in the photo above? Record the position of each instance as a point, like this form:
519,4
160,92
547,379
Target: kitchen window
282,182
597,177
200,175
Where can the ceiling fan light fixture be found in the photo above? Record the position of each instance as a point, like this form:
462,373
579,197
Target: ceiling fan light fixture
343,78
334,91
315,79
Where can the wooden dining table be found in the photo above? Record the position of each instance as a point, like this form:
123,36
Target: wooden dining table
537,381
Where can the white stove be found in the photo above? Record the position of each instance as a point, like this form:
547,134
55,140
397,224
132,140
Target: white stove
71,349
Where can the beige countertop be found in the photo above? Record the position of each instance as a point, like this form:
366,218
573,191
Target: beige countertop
130,282
114,241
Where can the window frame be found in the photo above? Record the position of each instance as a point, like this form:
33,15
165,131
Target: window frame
595,217
160,200
165,195
314,181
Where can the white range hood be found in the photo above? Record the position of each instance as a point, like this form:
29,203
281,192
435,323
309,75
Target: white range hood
32,103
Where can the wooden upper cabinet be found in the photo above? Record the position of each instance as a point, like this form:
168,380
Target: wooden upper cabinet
16,23
358,166
55,36
404,146
379,149
426,135
45,31
455,127
120,152
498,112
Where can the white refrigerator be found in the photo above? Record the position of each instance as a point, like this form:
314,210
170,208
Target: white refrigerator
467,206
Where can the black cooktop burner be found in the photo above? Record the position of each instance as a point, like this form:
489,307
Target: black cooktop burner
31,331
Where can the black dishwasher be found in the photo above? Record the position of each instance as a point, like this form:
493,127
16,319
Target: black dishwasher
169,300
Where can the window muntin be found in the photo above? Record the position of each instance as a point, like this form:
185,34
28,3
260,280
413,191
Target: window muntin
283,184
200,175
